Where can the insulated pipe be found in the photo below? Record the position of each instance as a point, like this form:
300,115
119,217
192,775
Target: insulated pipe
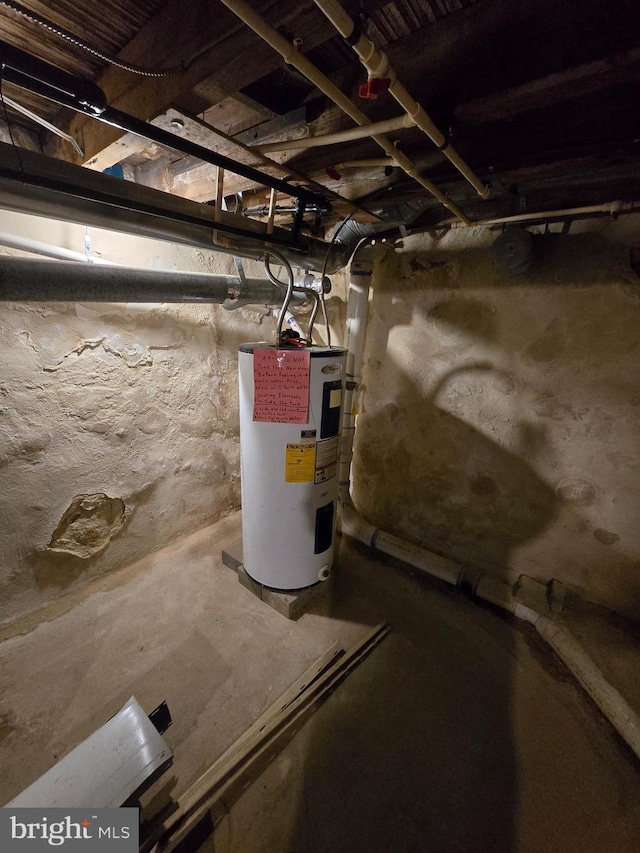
25,280
292,56
377,65
494,590
360,273
340,136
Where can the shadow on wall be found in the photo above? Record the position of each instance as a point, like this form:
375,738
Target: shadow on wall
445,485
427,475
500,415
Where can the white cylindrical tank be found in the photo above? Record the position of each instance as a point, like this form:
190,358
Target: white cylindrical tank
290,417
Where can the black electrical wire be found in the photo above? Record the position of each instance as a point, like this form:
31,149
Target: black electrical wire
34,18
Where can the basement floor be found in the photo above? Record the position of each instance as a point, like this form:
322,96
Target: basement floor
460,733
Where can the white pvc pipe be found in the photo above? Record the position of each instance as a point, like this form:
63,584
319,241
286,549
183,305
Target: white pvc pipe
360,273
24,244
610,701
612,207
498,591
340,136
377,65
292,56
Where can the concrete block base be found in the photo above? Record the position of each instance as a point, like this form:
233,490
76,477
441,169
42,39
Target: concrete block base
291,604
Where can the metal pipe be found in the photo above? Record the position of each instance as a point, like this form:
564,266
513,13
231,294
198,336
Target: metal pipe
29,73
377,64
26,280
292,56
42,186
387,126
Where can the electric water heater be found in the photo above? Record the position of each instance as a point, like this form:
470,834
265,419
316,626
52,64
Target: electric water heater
290,418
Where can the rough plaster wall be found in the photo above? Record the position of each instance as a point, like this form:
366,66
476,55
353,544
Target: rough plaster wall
500,419
118,423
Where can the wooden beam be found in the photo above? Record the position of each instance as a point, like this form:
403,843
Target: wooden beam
565,85
192,179
218,54
19,135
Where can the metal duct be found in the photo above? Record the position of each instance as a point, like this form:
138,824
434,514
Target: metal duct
43,186
26,280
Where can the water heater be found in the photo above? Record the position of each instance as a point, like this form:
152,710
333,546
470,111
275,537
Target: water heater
290,416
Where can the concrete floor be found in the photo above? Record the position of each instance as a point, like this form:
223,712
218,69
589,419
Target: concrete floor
460,733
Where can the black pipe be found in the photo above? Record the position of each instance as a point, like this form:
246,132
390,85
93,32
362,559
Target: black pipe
27,280
131,124
33,74
28,72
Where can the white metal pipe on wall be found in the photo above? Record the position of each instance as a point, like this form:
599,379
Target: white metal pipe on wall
494,590
360,273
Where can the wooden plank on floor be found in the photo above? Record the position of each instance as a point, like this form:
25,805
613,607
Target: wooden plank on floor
236,764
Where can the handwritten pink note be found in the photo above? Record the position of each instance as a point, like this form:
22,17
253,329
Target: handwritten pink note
281,386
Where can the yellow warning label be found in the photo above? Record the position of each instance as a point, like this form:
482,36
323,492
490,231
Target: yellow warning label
335,398
300,464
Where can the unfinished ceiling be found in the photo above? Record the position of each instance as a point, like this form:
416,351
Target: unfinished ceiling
539,98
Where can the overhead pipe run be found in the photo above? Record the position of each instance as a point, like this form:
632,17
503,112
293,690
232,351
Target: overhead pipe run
365,163
387,126
614,208
26,280
378,68
292,56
